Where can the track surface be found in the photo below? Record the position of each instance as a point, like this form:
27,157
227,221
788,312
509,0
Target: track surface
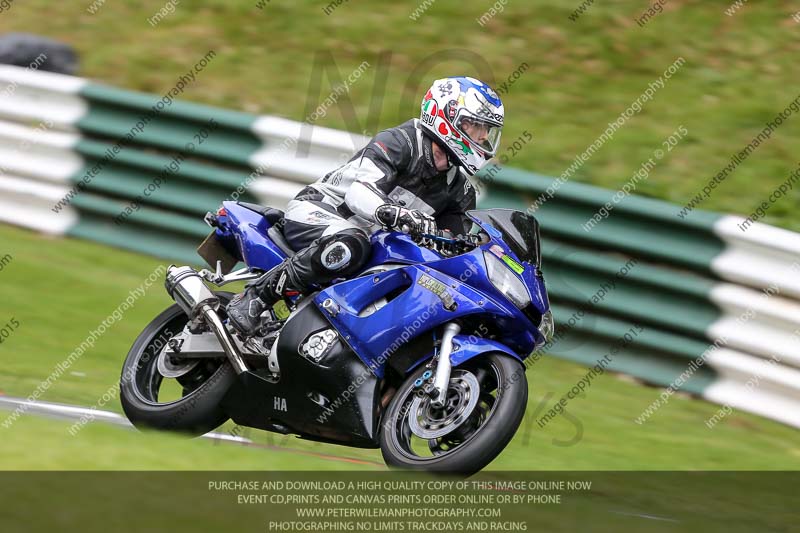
72,412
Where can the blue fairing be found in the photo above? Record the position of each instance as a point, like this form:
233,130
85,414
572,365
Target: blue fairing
428,292
395,247
465,347
248,230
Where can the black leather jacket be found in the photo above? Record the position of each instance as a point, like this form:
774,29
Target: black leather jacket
397,167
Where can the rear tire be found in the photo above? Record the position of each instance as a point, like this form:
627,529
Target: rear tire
198,411
473,443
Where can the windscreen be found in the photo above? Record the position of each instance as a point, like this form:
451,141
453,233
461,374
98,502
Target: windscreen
520,231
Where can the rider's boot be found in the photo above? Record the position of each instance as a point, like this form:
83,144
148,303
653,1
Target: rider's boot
338,255
246,308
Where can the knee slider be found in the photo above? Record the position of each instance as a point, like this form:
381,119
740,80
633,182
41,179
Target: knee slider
342,253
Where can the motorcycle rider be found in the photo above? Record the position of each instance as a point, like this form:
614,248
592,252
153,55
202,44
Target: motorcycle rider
413,178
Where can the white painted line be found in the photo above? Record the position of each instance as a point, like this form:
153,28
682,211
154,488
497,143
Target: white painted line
735,230
49,81
28,204
757,323
71,412
39,135
276,129
765,374
759,257
29,104
755,385
648,516
274,192
39,153
300,169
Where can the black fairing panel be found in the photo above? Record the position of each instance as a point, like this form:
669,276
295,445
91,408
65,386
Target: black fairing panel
312,380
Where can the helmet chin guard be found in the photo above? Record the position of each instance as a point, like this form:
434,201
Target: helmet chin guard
465,117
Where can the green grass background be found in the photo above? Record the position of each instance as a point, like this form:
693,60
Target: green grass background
60,289
740,71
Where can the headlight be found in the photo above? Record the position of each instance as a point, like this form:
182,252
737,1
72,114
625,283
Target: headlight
547,326
505,281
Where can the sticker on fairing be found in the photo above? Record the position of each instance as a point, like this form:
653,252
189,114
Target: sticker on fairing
498,251
516,267
439,289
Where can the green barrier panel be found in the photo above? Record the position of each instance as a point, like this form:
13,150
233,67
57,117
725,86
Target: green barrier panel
607,266
644,228
140,239
150,231
113,113
201,172
654,356
654,295
594,197
169,223
193,188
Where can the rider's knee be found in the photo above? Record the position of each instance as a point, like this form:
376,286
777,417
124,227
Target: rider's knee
343,253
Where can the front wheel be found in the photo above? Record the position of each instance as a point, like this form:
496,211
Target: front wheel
485,404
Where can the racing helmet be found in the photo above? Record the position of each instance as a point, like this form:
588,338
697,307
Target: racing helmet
465,117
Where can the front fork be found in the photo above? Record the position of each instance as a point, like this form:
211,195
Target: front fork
441,378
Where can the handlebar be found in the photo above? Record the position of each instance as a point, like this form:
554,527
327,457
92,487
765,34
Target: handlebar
445,239
441,236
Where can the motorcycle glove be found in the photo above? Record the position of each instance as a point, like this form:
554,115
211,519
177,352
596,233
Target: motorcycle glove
411,221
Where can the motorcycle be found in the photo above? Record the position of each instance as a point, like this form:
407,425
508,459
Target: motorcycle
421,355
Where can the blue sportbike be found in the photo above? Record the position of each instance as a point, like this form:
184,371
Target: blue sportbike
422,354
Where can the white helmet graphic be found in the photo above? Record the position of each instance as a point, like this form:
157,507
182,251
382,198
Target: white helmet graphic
466,117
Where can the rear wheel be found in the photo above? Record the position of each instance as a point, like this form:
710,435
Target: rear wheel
485,404
183,396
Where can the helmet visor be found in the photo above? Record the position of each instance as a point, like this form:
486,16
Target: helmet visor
482,132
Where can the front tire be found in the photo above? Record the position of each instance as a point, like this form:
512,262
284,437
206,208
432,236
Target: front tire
469,432
198,409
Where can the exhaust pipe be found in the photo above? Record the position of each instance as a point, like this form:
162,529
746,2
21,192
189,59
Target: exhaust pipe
186,287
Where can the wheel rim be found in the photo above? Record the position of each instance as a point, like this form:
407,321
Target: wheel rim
422,433
153,388
430,423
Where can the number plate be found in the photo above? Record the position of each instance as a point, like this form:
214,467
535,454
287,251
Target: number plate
211,250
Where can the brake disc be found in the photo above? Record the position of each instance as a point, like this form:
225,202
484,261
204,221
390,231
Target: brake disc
168,369
463,393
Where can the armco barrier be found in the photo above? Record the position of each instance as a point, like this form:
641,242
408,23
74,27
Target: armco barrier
700,288
48,118
716,311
